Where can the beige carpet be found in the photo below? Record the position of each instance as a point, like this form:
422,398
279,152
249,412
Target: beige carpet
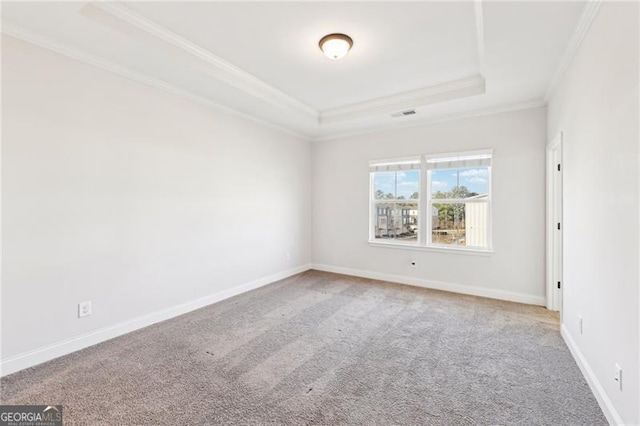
322,348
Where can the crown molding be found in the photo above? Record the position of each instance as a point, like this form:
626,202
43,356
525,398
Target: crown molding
252,85
437,119
96,61
591,9
417,98
477,9
223,70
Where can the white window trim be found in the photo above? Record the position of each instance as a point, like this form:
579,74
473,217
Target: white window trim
432,248
423,242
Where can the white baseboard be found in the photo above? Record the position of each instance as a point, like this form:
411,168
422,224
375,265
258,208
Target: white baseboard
605,403
436,285
58,349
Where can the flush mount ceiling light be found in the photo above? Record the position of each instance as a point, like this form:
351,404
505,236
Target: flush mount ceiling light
335,46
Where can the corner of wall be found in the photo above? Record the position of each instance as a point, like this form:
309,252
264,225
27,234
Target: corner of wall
606,405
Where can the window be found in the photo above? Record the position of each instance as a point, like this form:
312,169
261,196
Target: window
395,193
432,201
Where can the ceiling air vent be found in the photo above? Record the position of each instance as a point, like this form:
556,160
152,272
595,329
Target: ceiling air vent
404,113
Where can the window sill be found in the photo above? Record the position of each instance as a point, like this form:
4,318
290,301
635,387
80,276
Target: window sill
436,249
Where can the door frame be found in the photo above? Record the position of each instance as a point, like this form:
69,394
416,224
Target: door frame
555,225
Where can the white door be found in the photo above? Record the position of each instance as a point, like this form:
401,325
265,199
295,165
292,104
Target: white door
555,225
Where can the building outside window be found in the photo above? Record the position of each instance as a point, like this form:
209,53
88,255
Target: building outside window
432,201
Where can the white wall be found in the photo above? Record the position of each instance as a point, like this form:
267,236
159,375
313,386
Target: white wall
132,198
514,271
596,108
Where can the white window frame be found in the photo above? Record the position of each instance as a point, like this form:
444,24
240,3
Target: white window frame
425,203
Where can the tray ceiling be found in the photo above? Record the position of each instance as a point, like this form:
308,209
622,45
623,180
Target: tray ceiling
262,60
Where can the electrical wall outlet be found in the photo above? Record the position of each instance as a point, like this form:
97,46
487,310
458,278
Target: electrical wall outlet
413,264
580,324
84,309
618,376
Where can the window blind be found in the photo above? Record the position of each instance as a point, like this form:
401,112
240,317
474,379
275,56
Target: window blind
395,165
482,160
